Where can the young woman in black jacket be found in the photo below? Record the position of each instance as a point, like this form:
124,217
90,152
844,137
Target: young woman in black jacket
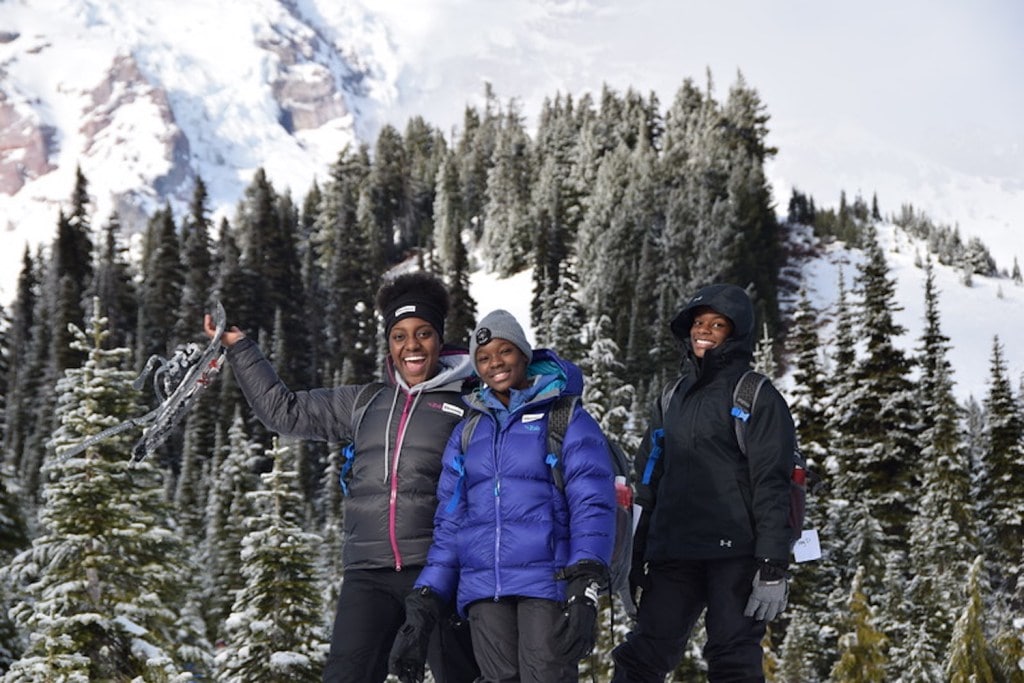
714,534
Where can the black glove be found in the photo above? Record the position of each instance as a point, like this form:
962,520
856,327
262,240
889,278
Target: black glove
770,593
577,632
409,652
638,579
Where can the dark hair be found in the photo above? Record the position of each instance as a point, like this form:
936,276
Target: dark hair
421,284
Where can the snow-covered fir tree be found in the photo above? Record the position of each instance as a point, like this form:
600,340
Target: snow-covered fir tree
101,584
606,396
227,508
1000,480
943,537
275,631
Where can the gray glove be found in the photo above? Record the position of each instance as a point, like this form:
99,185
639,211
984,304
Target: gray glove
770,594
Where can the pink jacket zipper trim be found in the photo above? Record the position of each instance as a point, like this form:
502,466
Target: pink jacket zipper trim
393,502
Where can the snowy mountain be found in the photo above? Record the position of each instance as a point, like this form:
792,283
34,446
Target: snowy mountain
144,97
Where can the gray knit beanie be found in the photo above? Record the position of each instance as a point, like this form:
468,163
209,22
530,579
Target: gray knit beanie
499,324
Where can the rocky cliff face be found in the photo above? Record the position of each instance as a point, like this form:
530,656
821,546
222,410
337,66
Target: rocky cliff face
146,113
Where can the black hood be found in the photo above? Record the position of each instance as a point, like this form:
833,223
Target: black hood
729,300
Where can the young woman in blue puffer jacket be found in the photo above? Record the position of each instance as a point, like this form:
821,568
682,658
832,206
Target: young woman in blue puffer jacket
522,557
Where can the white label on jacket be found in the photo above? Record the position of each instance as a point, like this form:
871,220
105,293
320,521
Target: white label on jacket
532,417
453,409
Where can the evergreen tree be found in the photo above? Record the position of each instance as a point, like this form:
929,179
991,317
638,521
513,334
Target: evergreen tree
331,570
556,201
754,255
475,152
160,292
810,391
508,236
114,286
196,252
71,273
1000,481
969,654
425,152
563,329
227,508
103,579
607,396
862,646
22,379
274,632
351,261
449,227
40,382
942,536
13,537
796,665
885,430
846,516
388,196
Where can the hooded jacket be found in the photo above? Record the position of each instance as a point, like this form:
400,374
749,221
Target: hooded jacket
706,499
502,527
388,520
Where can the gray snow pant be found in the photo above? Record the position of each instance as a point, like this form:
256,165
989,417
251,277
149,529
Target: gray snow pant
513,640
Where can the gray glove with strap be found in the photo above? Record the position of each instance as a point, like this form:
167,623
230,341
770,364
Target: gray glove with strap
771,591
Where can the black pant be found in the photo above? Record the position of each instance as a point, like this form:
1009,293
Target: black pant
513,639
669,608
371,608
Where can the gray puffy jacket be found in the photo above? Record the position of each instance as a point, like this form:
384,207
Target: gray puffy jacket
389,512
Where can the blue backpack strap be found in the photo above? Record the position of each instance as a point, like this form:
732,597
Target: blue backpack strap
459,463
657,443
658,435
359,406
743,397
349,453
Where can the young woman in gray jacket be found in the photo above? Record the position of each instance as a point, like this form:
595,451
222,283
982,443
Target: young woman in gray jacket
389,507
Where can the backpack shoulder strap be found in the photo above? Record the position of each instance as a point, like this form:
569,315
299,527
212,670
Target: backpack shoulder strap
744,395
363,398
558,423
359,406
467,429
666,394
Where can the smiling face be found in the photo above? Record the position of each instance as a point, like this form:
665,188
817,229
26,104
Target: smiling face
415,348
502,367
709,329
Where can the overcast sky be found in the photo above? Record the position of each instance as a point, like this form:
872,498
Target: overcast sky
864,96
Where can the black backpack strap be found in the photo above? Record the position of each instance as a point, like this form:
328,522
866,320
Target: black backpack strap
359,406
666,396
366,394
558,424
743,398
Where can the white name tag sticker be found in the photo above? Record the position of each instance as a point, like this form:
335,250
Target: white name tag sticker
532,417
807,547
453,409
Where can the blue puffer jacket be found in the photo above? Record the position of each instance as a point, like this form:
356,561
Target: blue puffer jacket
502,527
